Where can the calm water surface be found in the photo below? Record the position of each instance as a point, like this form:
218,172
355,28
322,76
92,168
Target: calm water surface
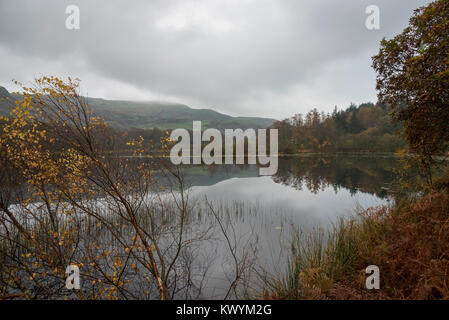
306,193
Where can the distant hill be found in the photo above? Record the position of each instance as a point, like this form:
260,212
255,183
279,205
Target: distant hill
162,115
4,94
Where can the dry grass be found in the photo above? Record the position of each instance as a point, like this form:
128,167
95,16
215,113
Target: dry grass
409,243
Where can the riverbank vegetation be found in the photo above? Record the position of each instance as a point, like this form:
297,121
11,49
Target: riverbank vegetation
408,242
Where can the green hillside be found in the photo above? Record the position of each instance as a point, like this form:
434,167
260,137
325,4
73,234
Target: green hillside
165,115
4,94
162,115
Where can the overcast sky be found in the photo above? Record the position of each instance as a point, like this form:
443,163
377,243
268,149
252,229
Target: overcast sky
270,58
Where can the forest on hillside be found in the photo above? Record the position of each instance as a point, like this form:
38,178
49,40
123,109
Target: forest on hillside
367,127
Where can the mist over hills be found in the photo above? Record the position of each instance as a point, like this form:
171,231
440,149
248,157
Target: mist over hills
153,114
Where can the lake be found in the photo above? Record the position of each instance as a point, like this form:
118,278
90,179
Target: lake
260,212
235,224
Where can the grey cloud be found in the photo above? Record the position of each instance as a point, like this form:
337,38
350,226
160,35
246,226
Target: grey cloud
227,55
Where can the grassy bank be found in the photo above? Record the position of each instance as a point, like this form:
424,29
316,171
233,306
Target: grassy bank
409,243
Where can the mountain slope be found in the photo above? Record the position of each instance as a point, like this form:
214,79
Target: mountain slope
4,94
163,115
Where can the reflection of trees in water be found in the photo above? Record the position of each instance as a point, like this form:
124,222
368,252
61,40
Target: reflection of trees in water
367,174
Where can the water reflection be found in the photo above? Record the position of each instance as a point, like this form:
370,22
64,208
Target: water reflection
307,192
320,185
356,173
367,174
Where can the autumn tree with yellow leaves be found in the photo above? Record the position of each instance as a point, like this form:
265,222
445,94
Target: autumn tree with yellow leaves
70,194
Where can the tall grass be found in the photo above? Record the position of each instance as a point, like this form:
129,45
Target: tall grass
321,258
